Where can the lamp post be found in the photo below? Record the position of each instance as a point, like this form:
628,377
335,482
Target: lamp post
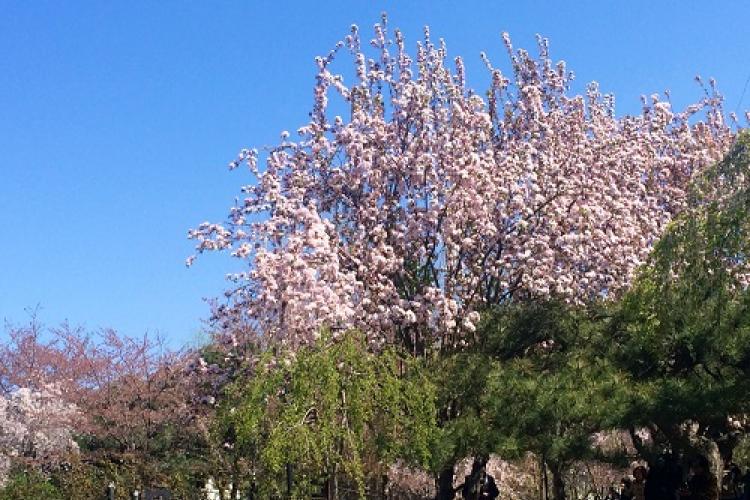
111,491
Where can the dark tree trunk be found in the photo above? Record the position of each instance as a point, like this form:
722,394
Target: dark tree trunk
332,487
545,481
478,467
445,484
235,479
713,453
558,482
640,448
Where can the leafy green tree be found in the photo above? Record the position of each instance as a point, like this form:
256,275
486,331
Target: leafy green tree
461,379
548,392
336,412
534,381
683,332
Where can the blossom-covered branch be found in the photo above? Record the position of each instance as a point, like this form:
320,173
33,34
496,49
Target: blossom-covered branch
430,201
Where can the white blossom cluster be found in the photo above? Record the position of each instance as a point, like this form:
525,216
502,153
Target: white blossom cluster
35,426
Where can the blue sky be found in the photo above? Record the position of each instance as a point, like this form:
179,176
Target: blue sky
117,120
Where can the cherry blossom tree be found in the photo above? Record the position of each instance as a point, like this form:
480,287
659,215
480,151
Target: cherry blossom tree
430,201
132,395
36,427
28,360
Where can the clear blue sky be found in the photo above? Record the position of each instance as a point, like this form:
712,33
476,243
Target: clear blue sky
117,120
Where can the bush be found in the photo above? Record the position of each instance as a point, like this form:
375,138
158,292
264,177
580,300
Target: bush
25,485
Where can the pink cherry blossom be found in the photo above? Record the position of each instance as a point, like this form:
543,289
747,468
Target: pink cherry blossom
431,201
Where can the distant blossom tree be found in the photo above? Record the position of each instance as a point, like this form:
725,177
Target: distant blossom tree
430,201
130,396
36,427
